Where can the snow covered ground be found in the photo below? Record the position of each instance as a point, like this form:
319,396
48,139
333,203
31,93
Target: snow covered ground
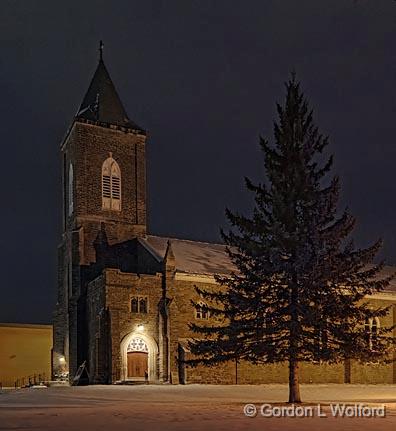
191,407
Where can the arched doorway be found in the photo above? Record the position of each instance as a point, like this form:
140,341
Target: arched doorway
137,359
139,355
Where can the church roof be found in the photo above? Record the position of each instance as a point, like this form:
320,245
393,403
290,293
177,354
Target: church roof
102,103
388,271
204,258
191,256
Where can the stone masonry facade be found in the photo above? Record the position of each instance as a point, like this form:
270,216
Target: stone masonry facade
124,300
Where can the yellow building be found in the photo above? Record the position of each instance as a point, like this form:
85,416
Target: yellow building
25,350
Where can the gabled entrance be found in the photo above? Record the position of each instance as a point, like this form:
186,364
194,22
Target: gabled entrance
139,358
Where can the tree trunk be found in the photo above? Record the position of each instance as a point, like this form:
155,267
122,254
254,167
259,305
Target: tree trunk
294,384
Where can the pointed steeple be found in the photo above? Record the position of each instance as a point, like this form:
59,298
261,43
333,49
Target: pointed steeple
102,103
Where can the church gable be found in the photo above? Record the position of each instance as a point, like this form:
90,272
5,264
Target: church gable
192,257
146,255
131,256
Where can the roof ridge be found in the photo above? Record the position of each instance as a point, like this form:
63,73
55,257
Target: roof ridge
187,240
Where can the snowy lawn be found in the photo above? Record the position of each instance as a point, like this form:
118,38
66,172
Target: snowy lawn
191,407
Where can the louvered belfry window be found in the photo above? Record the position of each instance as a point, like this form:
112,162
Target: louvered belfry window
111,185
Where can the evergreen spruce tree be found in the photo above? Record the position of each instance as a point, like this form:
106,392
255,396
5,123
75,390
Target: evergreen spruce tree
298,289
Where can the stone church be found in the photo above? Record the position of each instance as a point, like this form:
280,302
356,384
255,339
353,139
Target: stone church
124,295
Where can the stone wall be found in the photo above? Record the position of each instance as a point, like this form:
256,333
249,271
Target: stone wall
86,147
110,320
97,334
376,372
119,289
183,312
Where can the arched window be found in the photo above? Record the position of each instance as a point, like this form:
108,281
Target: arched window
143,305
139,304
321,342
367,330
201,311
375,326
70,189
137,345
371,329
111,185
134,305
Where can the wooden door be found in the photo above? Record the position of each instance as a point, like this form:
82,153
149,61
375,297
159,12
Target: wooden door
137,364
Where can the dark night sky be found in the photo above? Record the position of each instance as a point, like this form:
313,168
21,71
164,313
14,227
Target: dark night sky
203,78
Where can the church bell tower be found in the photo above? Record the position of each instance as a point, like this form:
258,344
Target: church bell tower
104,191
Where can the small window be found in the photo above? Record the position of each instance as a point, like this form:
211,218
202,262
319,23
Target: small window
321,343
201,311
374,333
111,185
142,305
371,329
134,305
139,304
367,331
70,189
